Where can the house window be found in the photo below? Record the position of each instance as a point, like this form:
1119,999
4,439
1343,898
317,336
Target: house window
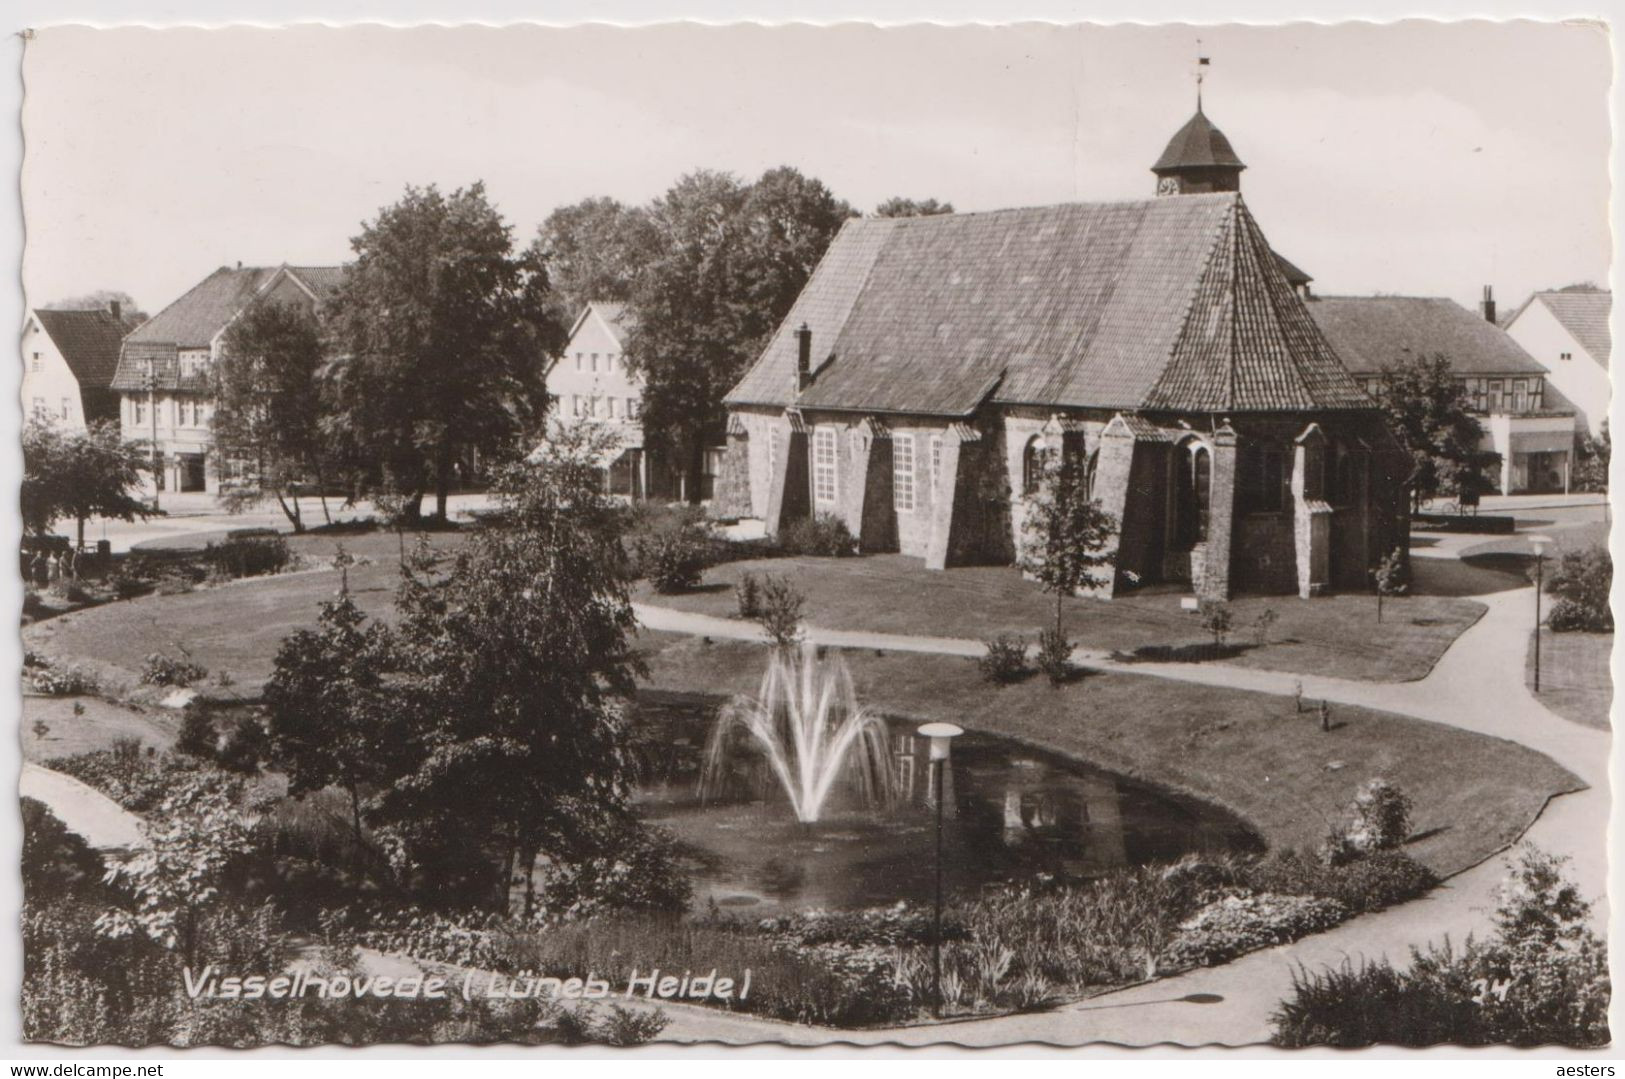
772,456
902,473
1537,391
36,363
609,403
1496,403
39,406
595,362
578,361
1520,395
1560,355
824,487
1032,465
936,462
634,408
609,361
67,408
575,404
140,411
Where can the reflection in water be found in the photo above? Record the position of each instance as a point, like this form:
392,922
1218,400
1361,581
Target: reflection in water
1011,812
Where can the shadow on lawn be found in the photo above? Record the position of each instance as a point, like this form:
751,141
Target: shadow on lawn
1198,652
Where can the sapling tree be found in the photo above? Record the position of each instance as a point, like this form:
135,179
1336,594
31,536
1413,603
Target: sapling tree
1067,534
1217,619
1392,577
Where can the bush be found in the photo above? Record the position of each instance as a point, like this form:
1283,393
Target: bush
163,670
1055,656
821,536
748,593
1378,880
197,737
1217,619
1238,923
249,553
1379,818
1004,659
246,746
63,681
780,611
1581,581
674,556
638,870
136,781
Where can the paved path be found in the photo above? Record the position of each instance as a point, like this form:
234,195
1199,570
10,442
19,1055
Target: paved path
1477,685
85,811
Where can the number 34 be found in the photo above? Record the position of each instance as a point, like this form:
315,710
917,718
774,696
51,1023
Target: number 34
1485,989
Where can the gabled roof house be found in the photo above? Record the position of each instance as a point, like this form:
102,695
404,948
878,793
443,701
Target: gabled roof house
68,362
1566,331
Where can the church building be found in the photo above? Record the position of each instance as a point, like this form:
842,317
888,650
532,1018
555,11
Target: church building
931,363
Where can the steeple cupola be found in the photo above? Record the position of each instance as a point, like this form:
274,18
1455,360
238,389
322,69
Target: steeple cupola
1198,159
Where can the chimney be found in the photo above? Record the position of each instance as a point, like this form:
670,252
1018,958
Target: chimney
1486,306
803,358
116,311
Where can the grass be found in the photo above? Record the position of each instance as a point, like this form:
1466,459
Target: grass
96,727
1246,752
1336,635
1574,678
236,628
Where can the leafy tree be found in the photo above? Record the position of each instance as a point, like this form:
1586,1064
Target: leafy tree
442,337
332,707
898,206
1581,581
1392,577
593,250
1066,533
730,261
517,656
265,421
1432,413
1591,458
102,300
78,475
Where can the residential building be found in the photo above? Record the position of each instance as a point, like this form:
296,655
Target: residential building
68,363
1566,331
1526,421
931,364
164,364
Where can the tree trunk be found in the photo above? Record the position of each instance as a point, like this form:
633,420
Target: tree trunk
81,533
442,479
695,470
1058,594
321,492
293,513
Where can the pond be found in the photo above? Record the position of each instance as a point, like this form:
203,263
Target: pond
1011,813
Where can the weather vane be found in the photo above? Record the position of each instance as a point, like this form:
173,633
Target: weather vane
1201,62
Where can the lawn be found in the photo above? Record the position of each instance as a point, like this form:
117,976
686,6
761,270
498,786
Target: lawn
97,726
1574,678
234,628
1331,635
1247,752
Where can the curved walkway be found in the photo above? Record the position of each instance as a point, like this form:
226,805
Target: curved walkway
87,812
1477,685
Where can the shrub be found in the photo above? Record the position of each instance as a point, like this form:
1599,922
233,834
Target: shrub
1217,619
748,594
780,611
637,870
249,553
1581,581
1263,624
164,670
135,781
64,681
675,556
1055,656
1005,659
197,736
821,536
1379,818
1238,923
1378,880
246,746
55,861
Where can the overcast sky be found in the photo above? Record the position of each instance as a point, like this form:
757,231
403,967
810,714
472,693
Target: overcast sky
1415,158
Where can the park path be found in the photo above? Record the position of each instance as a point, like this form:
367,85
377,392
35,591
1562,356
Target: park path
88,813
1477,685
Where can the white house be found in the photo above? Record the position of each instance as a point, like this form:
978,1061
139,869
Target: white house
1566,331
163,366
589,382
68,362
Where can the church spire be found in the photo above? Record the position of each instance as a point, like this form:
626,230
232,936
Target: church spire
1198,158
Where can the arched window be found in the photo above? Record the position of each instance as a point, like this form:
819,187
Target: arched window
1089,466
1193,495
1032,464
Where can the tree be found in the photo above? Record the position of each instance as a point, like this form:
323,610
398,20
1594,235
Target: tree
266,419
1066,535
1591,456
102,300
1431,412
898,206
442,336
1392,577
729,263
78,475
593,250
517,657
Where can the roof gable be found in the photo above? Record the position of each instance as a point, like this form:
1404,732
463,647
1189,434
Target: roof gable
88,340
1584,314
1174,303
1198,145
1371,332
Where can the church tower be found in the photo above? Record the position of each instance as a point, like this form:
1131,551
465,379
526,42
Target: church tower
1198,160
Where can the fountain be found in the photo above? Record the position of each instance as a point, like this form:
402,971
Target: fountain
807,725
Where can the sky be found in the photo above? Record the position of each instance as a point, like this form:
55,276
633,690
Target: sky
1412,158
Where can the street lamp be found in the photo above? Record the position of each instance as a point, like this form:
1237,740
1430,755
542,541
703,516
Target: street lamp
941,736
1539,544
152,407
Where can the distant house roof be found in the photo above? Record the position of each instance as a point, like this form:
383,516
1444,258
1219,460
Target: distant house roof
1370,332
197,317
614,315
1197,145
1161,304
89,342
1583,310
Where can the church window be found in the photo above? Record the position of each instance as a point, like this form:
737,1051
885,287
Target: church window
824,486
1032,465
902,470
936,462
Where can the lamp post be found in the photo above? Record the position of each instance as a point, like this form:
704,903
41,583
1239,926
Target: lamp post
941,736
152,407
1538,543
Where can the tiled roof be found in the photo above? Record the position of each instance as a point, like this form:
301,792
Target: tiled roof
194,320
1584,313
1170,303
1370,332
88,340
614,315
1198,145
